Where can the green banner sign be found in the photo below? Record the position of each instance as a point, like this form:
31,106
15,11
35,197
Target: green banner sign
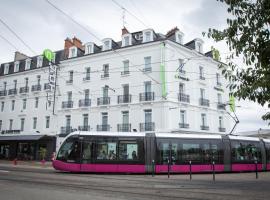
48,54
232,103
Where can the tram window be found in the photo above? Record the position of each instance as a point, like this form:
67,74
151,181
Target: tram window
128,150
174,153
106,150
87,152
70,152
244,151
191,152
267,149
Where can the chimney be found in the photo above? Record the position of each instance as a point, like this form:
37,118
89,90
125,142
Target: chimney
68,44
172,31
19,56
124,31
77,43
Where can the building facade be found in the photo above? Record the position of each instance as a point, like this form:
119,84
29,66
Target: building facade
146,82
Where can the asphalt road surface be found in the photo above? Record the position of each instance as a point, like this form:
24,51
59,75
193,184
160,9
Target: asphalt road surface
47,184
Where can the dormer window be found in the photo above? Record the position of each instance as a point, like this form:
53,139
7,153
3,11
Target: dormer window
107,44
147,35
6,68
179,37
27,64
126,40
72,52
39,61
199,45
16,66
89,48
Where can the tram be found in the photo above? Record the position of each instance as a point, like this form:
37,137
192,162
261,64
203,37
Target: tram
137,152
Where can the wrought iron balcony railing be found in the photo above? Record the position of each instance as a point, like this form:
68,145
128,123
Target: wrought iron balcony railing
67,104
84,103
103,101
24,89
183,125
123,127
147,96
150,126
204,102
205,128
183,98
36,88
103,127
124,98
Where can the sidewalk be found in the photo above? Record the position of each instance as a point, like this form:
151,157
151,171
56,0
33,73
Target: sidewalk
26,164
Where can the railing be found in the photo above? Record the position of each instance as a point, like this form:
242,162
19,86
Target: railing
219,84
87,78
183,97
147,126
148,69
69,81
204,102
123,127
103,101
221,129
67,104
84,128
10,132
205,128
84,102
147,96
221,106
47,86
65,130
124,98
202,77
36,88
24,89
183,125
3,93
12,91
125,72
103,127
105,75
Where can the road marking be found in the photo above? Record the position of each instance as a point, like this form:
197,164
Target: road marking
4,171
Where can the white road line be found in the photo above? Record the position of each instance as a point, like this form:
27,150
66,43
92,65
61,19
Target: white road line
4,171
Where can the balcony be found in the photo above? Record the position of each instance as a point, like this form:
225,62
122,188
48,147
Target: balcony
148,69
36,88
125,73
219,84
84,103
147,96
183,98
3,93
65,130
103,101
24,90
12,91
204,102
103,127
205,128
202,78
147,126
87,78
105,75
10,132
84,128
124,98
47,86
123,127
67,104
221,129
221,106
69,81
183,125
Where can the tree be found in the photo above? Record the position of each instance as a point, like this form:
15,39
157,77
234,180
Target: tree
247,34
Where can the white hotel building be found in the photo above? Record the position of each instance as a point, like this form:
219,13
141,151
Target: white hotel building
146,82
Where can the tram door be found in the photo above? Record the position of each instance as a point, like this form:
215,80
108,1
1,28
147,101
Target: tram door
169,155
87,155
150,151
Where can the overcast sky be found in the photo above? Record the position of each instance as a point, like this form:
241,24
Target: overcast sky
42,26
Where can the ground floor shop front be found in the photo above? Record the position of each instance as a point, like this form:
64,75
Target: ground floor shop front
27,147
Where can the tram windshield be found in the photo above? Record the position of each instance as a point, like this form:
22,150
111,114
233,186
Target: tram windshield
70,151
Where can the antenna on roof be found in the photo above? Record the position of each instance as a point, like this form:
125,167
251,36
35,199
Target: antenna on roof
123,17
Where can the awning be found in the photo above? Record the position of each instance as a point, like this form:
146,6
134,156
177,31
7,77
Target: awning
23,137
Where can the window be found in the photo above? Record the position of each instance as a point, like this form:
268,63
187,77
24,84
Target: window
1,123
26,82
199,47
86,94
36,102
87,73
27,64
179,38
202,93
219,98
220,121
6,69
105,91
203,118
68,120
70,77
106,150
106,45
105,71
22,124
24,104
104,117
147,64
12,105
181,66
128,150
85,120
147,36
70,151
218,79
5,86
201,73
182,116
69,95
39,61
16,66
126,66
15,84
34,122
126,41
181,88
147,87
148,116
47,122
72,52
125,117
10,124
2,106
89,48
38,79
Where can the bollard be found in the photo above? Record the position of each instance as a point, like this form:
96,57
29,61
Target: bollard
256,168
153,168
15,161
214,173
168,168
190,171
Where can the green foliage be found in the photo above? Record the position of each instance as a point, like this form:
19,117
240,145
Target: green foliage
247,34
42,153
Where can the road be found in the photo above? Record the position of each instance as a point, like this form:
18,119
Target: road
47,184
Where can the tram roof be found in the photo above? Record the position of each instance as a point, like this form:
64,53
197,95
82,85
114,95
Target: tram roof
236,137
106,133
192,136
